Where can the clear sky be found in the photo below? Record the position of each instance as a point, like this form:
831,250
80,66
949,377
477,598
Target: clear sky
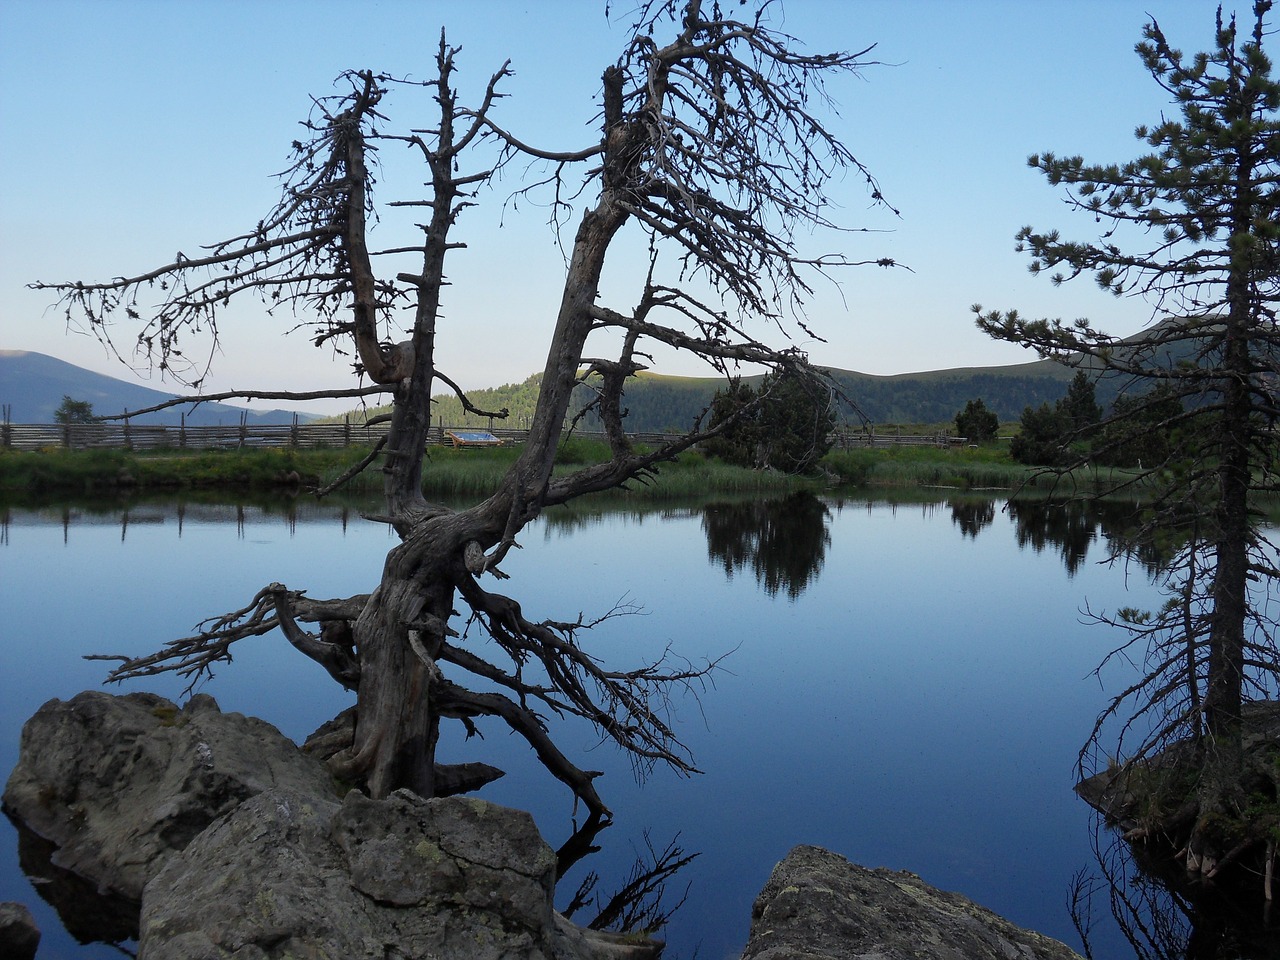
136,128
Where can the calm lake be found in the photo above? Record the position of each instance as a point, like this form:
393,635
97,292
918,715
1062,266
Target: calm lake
906,683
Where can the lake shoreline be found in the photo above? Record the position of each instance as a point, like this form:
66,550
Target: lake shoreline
457,473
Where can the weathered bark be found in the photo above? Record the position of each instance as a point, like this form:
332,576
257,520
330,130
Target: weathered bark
398,723
389,366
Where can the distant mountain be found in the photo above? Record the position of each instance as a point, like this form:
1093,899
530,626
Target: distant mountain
32,386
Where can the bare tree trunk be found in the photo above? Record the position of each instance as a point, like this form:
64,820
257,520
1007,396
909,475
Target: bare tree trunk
399,635
573,324
399,632
397,726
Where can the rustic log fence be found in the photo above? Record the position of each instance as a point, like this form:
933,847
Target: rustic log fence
125,435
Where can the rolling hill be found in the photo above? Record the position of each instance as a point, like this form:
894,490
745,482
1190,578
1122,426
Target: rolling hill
32,386
662,403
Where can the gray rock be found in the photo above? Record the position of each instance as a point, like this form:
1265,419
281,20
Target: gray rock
19,935
237,845
819,906
292,875
120,783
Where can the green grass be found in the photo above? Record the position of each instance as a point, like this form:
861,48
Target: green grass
448,473
969,468
452,474
109,471
467,472
476,472
987,467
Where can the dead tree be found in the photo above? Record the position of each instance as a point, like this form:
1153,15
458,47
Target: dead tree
715,145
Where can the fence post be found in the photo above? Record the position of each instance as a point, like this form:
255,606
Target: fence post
6,431
128,435
346,429
244,429
293,432
182,429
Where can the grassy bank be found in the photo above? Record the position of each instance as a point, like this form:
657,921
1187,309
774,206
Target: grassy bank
108,471
971,468
451,473
447,474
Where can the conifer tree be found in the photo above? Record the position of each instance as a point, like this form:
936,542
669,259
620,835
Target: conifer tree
1080,406
1190,226
785,424
977,423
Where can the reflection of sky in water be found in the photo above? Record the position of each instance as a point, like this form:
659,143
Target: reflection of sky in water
918,706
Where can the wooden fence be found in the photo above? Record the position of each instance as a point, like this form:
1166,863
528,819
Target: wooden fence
82,436
845,439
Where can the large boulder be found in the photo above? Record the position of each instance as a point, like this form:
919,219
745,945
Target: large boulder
290,875
231,842
19,935
118,784
819,906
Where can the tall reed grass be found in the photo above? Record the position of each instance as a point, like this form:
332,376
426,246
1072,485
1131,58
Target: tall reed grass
469,473
476,472
88,471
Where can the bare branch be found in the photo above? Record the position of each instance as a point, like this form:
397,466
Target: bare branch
299,395
195,657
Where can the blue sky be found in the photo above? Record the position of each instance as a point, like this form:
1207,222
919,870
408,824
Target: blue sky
136,128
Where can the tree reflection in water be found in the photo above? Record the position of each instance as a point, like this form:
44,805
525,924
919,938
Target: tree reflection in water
1072,526
1165,917
1161,914
972,516
783,542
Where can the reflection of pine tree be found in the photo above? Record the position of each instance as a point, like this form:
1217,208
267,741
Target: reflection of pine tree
1162,914
972,516
1068,526
1072,526
783,542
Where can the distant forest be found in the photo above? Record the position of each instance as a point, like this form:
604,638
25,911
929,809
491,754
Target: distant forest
658,403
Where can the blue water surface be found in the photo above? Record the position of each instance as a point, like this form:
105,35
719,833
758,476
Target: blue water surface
918,704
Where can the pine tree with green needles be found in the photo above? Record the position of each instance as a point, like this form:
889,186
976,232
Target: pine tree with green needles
73,411
976,423
1193,227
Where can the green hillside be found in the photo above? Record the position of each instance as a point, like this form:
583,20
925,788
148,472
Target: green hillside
661,403
657,403
937,396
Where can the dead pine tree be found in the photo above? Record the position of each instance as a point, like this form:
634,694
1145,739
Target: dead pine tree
716,147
